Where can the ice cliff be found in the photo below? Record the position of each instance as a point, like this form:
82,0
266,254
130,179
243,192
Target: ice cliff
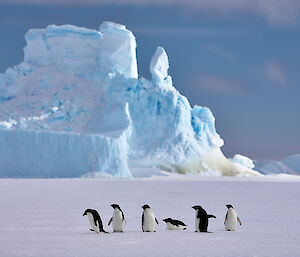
75,106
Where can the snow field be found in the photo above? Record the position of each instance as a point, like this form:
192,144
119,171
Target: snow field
44,217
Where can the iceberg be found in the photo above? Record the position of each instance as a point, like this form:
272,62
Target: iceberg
243,160
76,106
289,165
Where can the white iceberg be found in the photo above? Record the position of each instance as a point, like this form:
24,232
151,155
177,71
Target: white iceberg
289,165
76,106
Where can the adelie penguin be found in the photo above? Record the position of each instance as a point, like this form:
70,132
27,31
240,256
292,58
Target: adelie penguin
118,219
174,224
95,220
148,219
201,219
231,219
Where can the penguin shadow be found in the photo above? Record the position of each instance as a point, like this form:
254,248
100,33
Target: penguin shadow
227,231
93,233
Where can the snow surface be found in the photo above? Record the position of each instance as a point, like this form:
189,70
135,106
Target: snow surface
76,107
44,217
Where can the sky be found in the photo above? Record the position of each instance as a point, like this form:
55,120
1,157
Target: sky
240,58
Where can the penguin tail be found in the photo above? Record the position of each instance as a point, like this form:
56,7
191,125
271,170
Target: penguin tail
105,232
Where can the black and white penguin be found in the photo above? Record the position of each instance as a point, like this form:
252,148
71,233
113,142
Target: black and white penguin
95,220
118,219
148,219
201,219
231,219
174,224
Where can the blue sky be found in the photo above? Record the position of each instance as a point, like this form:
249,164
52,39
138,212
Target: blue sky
239,58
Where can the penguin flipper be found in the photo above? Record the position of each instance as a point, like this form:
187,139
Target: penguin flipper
96,217
226,217
123,217
239,221
110,221
156,221
211,216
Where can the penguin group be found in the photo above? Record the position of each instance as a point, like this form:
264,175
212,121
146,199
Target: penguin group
149,221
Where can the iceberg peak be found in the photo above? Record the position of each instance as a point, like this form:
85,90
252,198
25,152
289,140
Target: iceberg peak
112,26
159,65
118,50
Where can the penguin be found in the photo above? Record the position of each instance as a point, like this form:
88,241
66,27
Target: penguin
95,221
117,220
201,219
174,224
231,219
148,219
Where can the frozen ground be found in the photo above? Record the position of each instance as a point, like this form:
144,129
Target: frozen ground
43,217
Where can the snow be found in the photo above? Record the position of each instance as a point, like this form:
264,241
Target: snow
43,218
76,107
215,164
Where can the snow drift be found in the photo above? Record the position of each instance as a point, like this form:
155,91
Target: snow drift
76,106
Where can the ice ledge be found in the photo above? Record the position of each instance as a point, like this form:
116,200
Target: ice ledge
46,154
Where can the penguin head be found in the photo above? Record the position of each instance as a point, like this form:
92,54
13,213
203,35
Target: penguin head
197,207
167,220
86,212
145,206
229,206
115,206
